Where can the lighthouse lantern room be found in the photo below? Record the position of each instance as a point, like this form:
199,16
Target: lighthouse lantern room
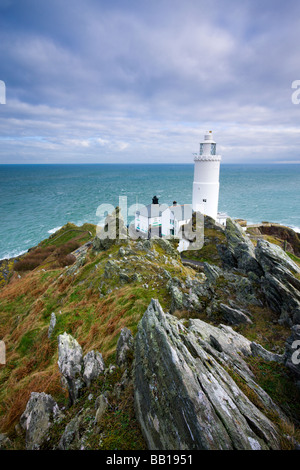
206,178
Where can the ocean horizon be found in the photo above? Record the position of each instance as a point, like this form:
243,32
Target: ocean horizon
37,199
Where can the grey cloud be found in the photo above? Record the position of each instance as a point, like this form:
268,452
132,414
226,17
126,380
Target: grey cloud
115,81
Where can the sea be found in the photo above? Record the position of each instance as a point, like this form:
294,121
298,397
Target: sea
36,200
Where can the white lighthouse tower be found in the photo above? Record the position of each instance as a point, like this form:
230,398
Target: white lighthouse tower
206,178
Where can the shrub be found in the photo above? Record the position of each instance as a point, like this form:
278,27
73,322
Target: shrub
65,260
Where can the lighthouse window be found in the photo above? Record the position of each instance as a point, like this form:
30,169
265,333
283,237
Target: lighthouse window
201,149
213,149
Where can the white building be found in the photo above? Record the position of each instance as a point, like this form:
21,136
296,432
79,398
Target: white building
174,217
161,220
206,178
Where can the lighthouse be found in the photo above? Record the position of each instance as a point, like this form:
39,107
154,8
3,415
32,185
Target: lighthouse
206,178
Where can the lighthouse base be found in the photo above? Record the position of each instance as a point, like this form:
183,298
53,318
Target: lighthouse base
205,198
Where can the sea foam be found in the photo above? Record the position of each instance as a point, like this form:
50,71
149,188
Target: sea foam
53,230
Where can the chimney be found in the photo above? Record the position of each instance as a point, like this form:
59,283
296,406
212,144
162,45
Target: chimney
155,200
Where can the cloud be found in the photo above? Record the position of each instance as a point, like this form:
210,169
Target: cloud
100,81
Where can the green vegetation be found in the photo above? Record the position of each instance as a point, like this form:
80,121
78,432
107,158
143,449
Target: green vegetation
294,258
276,380
93,305
209,252
70,232
109,291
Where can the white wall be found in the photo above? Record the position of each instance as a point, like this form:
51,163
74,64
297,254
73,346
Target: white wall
206,187
141,223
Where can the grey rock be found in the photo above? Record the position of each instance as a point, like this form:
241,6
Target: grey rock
167,274
101,406
125,348
166,246
93,366
245,292
70,363
191,301
5,442
52,324
70,440
228,260
283,298
259,351
41,411
229,348
210,223
271,257
137,277
144,245
184,398
241,248
212,272
280,286
124,278
177,299
81,260
233,315
122,251
111,269
113,232
229,342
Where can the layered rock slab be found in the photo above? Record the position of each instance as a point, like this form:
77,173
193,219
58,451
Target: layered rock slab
185,399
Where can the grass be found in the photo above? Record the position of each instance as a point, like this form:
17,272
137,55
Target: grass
118,428
278,383
94,309
294,257
27,303
209,252
265,329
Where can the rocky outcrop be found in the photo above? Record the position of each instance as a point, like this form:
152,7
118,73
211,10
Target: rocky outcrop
288,237
5,442
234,316
125,348
41,411
77,371
70,362
72,270
112,232
185,397
70,440
241,248
280,286
212,272
259,351
93,366
273,259
101,406
52,324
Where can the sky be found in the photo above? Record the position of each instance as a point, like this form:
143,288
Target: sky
139,81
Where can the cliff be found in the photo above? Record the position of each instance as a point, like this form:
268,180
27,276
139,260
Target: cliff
123,345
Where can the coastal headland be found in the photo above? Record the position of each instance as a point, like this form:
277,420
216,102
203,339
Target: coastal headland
129,345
